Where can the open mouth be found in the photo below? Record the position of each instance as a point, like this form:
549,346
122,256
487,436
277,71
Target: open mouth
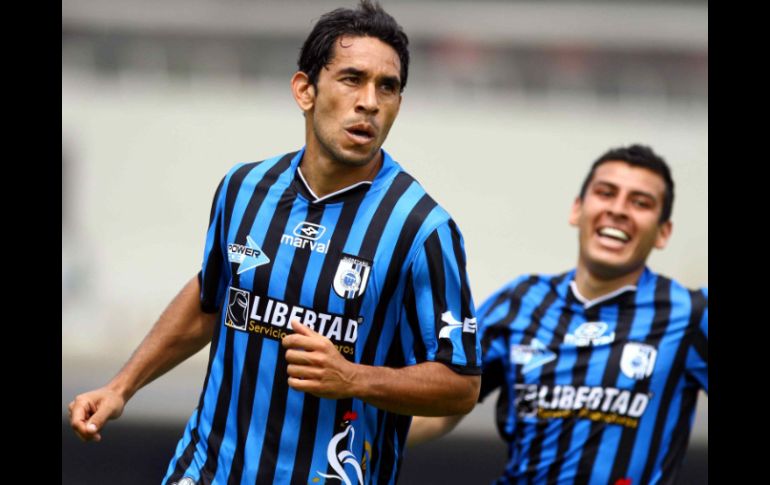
361,133
614,233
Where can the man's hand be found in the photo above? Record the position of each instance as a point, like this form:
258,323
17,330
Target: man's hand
316,366
91,410
181,331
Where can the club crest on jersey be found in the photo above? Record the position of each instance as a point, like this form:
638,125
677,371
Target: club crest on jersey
248,257
638,360
351,277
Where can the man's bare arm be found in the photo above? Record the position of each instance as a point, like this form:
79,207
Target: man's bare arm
425,389
180,332
425,428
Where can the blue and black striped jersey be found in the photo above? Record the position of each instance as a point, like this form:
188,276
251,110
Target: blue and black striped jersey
378,268
599,392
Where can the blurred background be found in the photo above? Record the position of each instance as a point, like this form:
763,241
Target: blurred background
507,105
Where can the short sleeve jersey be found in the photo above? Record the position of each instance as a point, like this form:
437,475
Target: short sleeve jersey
599,392
378,268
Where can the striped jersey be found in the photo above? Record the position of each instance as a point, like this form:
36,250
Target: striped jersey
594,392
378,268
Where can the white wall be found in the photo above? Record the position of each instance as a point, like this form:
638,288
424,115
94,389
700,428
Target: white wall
146,156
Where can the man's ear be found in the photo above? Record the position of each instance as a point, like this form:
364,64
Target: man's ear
303,91
664,233
574,215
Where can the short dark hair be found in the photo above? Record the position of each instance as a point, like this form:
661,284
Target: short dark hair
639,156
368,20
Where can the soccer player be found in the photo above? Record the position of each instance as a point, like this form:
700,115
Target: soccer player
333,291
599,367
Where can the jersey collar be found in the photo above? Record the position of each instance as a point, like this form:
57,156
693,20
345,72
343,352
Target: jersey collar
387,173
644,279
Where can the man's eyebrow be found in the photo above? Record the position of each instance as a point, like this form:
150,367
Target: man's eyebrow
644,194
351,70
604,182
393,80
633,192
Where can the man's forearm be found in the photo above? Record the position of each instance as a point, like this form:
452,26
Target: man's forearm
426,389
181,331
425,428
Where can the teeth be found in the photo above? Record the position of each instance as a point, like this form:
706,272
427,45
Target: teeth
614,233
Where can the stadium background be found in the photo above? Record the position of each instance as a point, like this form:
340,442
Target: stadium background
506,106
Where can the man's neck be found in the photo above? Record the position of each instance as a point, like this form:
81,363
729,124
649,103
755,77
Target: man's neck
593,286
325,176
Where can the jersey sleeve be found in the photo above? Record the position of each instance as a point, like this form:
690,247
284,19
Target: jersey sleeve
697,356
438,306
212,276
494,338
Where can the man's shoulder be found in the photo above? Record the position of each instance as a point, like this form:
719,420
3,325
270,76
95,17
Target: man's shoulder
256,171
530,285
679,292
419,209
546,281
283,160
692,290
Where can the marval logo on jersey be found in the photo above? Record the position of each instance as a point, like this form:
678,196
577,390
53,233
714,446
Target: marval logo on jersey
271,318
638,360
531,356
248,257
306,235
589,333
351,277
468,325
338,459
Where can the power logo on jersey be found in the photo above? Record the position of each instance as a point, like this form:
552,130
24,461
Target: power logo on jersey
351,277
531,356
638,360
248,257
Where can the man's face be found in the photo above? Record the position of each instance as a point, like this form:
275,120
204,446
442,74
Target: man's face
617,219
356,100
